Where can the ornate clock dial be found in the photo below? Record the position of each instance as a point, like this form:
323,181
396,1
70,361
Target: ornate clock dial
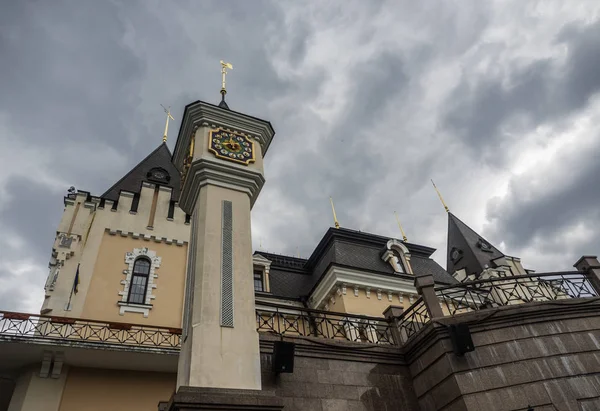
231,146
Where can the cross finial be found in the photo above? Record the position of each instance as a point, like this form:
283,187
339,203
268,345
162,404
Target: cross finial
337,225
169,116
440,196
400,227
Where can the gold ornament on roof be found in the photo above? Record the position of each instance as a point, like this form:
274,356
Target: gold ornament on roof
169,116
224,67
400,227
440,196
335,221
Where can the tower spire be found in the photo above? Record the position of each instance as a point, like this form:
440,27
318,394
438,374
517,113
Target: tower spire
400,227
337,225
224,67
169,116
440,196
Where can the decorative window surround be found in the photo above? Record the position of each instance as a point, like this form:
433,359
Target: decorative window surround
264,264
336,276
130,258
398,256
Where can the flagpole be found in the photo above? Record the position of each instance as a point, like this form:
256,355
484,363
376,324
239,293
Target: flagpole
68,308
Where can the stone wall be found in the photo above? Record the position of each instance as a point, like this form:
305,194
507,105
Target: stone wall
332,375
544,355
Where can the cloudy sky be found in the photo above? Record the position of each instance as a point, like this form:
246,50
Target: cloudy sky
497,101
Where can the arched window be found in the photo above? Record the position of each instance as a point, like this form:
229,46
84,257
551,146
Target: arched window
139,281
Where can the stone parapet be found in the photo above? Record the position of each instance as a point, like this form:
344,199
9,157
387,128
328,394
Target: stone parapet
539,355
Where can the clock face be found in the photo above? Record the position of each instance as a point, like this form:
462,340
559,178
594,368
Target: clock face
231,146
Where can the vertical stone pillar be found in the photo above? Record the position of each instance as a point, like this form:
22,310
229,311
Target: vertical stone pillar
392,313
425,287
220,347
589,265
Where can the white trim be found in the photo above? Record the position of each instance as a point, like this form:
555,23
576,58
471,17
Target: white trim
130,258
369,281
134,308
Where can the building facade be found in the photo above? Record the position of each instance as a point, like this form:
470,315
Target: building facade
154,290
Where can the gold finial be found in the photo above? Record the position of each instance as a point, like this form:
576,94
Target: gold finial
440,196
224,67
169,116
400,227
337,225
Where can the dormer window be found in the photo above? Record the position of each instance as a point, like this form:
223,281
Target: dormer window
484,245
258,280
158,174
262,266
397,255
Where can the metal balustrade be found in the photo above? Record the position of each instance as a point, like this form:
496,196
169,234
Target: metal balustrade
303,322
510,290
20,326
412,320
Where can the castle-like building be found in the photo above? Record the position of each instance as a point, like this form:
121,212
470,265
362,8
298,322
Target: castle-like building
155,299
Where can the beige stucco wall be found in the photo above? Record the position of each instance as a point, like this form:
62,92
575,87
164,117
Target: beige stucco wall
371,306
210,348
91,224
33,393
102,390
102,296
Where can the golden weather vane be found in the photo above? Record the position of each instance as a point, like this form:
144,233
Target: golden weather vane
400,227
224,67
440,196
337,225
169,116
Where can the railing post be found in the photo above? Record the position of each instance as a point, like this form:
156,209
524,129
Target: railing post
425,287
591,267
392,313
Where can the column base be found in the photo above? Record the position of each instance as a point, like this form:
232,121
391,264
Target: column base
198,398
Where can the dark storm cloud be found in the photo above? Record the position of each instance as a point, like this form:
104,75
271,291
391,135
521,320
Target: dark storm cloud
482,109
545,91
82,81
343,166
524,216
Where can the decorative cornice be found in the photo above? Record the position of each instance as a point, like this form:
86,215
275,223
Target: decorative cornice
146,237
337,275
204,171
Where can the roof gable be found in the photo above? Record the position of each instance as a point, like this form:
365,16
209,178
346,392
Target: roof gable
160,158
467,249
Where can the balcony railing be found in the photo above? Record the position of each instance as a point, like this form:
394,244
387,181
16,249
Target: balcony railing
510,290
412,320
19,326
304,322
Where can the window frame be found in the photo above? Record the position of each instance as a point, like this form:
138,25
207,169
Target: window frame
145,276
261,276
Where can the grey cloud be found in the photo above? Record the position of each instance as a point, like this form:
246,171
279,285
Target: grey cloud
544,90
83,83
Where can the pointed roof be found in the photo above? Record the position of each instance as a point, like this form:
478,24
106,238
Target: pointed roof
159,159
467,249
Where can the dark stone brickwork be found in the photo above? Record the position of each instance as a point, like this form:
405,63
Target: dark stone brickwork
545,355
328,384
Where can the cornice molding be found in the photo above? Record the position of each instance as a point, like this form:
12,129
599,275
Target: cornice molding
338,275
204,171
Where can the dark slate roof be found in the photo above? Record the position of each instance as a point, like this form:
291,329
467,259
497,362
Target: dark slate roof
467,247
296,277
132,181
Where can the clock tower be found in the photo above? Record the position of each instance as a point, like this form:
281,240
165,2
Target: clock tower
220,155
